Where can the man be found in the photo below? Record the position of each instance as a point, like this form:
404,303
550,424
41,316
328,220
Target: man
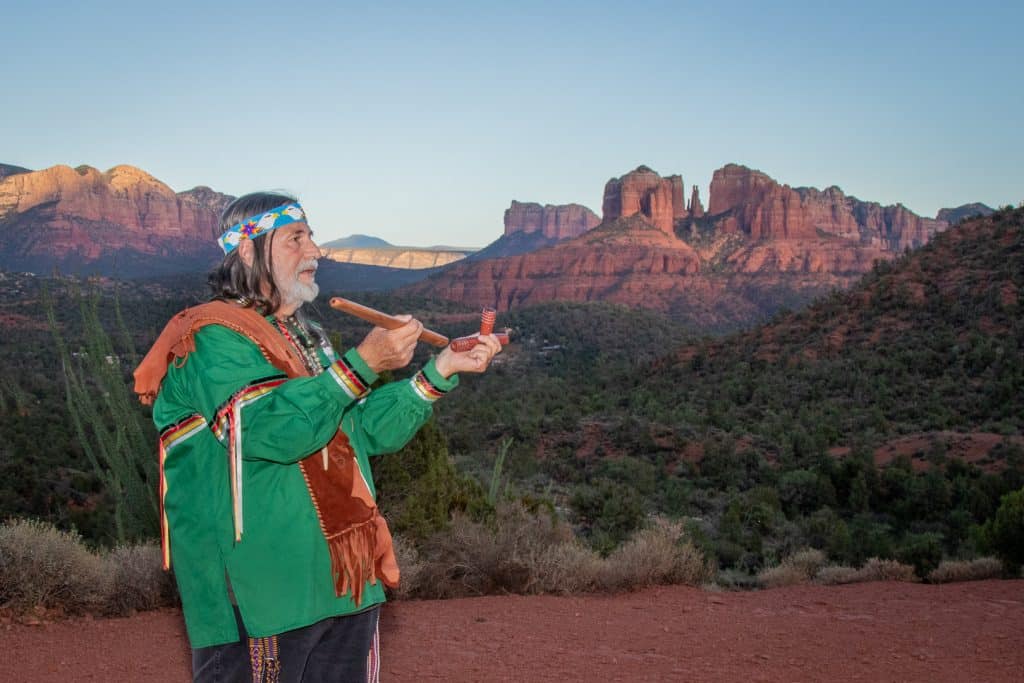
268,499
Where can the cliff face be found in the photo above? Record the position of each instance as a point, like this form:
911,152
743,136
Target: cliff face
751,203
759,246
555,222
643,192
394,257
620,258
64,216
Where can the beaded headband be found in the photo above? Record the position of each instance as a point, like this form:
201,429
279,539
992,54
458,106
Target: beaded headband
260,223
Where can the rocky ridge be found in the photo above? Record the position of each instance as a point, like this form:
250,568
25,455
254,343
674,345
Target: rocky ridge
123,219
749,202
760,245
554,222
10,169
394,257
954,216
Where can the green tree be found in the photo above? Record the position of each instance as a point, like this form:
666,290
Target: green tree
1004,533
418,488
609,512
860,494
804,491
924,551
825,530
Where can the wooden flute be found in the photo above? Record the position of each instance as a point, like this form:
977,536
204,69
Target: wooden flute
381,319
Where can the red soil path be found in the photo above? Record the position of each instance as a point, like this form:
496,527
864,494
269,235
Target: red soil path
862,632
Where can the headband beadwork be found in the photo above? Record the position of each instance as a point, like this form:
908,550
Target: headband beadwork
256,225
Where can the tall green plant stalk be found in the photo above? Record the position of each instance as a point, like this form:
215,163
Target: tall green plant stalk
494,489
109,425
12,396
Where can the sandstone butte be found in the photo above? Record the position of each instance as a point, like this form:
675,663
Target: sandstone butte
759,245
65,214
555,222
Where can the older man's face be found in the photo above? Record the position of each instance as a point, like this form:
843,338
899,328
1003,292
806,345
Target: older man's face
294,256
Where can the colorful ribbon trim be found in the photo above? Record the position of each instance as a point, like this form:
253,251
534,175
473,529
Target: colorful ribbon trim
227,423
169,438
349,380
243,397
264,659
424,388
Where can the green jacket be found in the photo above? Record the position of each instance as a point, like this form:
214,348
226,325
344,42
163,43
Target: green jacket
280,571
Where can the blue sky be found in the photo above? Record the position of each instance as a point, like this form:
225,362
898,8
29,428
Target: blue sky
420,122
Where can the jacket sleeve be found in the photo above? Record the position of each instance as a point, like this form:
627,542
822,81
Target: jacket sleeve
387,419
228,381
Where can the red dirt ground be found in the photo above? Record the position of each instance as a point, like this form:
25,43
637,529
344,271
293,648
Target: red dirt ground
861,632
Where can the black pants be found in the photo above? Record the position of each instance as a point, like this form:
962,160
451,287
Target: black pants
333,651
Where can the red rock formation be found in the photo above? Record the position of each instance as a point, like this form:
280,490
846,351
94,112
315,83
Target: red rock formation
61,213
761,245
696,209
558,222
678,202
751,203
658,200
624,261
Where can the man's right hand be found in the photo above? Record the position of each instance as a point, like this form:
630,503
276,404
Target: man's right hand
390,349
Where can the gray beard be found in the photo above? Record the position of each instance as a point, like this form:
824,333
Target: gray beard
295,292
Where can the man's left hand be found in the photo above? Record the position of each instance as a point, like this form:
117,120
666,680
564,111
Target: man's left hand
477,359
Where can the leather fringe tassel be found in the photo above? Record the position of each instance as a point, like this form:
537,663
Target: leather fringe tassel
352,559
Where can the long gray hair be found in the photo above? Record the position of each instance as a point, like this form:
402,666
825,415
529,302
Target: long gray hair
232,280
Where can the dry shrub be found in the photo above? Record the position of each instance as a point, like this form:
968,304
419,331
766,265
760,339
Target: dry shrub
836,574
734,580
410,565
657,555
874,569
886,570
471,558
568,567
139,581
978,569
531,552
800,567
781,575
41,565
808,561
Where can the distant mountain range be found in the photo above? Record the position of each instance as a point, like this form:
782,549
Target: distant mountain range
125,222
357,242
9,170
759,245
373,251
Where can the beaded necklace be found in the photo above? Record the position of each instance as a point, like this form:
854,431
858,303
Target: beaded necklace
294,332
